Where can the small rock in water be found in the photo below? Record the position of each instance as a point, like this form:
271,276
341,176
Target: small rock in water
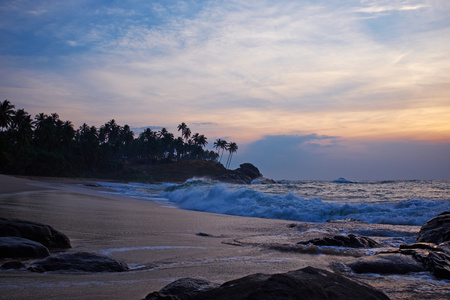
387,263
342,180
350,241
79,261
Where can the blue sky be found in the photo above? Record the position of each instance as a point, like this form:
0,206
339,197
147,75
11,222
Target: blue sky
308,89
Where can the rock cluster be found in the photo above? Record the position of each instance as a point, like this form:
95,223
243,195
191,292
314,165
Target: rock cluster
38,232
308,283
26,239
431,252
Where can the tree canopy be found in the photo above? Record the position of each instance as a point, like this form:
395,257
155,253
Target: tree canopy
49,146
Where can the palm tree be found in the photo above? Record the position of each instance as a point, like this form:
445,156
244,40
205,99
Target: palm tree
182,127
222,144
22,128
187,133
179,147
232,148
6,113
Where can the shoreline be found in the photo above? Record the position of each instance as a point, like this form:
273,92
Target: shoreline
160,244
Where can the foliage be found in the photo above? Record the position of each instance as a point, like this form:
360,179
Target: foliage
48,146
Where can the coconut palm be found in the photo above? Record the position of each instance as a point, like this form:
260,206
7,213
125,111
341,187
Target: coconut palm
232,148
182,127
22,128
222,144
6,113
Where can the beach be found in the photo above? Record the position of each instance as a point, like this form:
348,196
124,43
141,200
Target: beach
161,244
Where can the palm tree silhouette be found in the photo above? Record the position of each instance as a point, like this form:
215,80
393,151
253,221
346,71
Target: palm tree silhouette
182,127
232,148
222,144
6,113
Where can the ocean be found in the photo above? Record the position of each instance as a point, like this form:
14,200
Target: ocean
397,202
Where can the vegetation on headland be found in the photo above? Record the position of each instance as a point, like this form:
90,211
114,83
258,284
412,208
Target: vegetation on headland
48,146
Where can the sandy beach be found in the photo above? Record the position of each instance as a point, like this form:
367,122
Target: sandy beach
160,244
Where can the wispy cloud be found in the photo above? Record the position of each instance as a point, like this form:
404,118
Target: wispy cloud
259,68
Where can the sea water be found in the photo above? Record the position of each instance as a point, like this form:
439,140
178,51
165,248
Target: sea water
398,202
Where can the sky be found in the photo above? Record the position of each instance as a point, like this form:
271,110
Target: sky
308,89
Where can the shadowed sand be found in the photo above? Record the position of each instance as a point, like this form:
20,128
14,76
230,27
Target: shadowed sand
160,244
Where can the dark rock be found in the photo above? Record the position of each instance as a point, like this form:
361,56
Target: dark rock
203,234
79,261
350,241
307,283
12,247
249,170
38,232
408,258
182,289
439,264
13,265
435,258
436,230
246,173
387,263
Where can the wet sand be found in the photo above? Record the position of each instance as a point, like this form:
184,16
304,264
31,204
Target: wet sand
160,244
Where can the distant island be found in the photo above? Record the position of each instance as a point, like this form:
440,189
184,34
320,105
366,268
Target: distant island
48,146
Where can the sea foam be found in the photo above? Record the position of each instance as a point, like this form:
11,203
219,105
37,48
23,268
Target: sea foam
220,198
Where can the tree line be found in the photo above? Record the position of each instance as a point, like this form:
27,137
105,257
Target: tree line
49,146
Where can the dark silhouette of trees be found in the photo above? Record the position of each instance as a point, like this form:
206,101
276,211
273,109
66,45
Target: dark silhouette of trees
6,113
52,147
232,148
222,144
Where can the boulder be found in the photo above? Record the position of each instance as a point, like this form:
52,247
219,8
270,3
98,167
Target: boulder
387,263
38,232
350,241
436,230
307,283
182,289
246,173
79,261
249,170
438,263
13,265
14,247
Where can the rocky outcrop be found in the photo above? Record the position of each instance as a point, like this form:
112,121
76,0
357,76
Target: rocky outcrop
79,261
14,247
246,173
431,253
350,241
436,230
38,232
182,289
307,283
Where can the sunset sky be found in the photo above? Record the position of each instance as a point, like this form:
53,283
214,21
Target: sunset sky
308,89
